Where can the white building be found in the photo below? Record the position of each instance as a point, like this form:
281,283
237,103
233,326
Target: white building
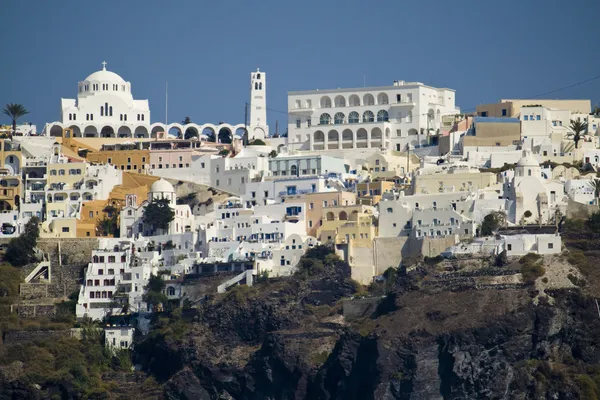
105,107
118,337
116,276
132,216
371,117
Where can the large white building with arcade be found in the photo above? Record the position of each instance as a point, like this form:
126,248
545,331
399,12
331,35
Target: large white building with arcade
105,107
388,117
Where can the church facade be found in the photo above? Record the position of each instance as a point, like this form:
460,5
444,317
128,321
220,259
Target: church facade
105,108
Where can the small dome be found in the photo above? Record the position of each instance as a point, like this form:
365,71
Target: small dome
161,185
105,76
528,160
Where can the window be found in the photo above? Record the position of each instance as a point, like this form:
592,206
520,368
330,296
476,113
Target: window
128,160
526,117
324,203
61,172
484,113
308,122
325,119
111,259
398,98
538,117
109,160
368,116
353,117
529,172
65,229
504,112
298,122
509,247
338,118
550,245
382,116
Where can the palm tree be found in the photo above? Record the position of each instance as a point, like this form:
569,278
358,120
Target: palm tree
578,128
15,111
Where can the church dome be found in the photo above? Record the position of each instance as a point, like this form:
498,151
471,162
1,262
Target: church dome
105,76
161,186
528,160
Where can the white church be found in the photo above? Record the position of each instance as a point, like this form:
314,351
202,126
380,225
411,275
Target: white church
132,215
105,107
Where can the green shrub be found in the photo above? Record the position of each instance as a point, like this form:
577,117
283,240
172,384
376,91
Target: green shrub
529,258
531,268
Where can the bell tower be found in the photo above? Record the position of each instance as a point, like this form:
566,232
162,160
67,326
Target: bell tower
257,126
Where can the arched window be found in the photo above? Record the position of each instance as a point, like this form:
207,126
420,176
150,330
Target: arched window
255,85
106,109
101,111
258,76
354,101
325,119
382,98
368,116
325,102
260,86
368,100
340,101
353,117
294,170
382,116
338,118
110,109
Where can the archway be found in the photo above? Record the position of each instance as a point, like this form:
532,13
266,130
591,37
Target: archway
347,139
225,136
191,132
376,134
325,102
210,134
175,132
90,131
242,134
107,132
56,131
343,216
368,100
354,101
156,131
319,137
340,101
333,138
76,131
361,138
330,216
141,132
124,132
382,98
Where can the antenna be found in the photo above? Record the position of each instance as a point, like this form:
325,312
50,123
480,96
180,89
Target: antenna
166,102
365,80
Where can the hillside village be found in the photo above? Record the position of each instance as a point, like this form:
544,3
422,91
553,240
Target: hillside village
135,218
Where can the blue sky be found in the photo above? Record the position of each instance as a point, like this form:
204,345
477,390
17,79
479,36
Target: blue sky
206,50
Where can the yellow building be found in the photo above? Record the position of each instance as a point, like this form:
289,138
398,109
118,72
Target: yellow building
391,166
493,132
10,175
512,107
333,218
316,202
352,238
369,193
92,212
452,179
127,160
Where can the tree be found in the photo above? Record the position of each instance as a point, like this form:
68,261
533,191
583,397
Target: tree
20,250
186,121
154,291
212,137
14,111
273,154
579,128
595,184
158,214
491,222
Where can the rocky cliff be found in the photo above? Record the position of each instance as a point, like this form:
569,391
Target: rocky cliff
287,339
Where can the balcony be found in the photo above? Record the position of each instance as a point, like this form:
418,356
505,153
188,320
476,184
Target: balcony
403,103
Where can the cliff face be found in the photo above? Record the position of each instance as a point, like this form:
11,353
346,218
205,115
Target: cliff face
287,341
